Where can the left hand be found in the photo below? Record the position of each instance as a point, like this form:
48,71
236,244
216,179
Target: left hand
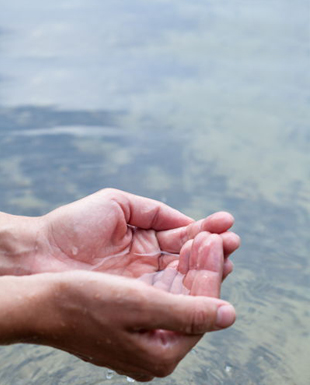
198,271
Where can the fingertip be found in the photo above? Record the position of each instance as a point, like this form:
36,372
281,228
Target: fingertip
226,316
224,215
231,242
219,222
235,238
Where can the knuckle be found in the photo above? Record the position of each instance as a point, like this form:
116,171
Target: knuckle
201,321
135,299
155,215
109,191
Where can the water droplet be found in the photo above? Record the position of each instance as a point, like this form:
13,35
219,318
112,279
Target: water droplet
110,374
130,379
74,250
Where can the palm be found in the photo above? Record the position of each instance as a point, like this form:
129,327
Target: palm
198,271
110,246
123,234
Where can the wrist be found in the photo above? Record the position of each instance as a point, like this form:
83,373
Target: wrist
27,308
20,243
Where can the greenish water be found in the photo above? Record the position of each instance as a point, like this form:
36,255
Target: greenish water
203,105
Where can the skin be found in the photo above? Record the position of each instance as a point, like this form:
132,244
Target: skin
131,309
115,232
199,270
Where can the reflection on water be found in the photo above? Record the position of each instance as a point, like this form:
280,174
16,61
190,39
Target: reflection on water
202,105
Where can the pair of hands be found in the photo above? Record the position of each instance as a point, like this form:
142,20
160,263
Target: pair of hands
103,315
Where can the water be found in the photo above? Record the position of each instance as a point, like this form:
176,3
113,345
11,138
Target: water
203,105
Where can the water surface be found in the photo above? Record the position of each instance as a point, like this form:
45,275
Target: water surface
203,105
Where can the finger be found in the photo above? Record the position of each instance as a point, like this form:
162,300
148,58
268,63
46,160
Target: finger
206,283
168,348
189,279
206,265
170,280
178,286
148,213
231,242
187,314
173,240
227,268
207,253
148,278
165,279
167,259
183,266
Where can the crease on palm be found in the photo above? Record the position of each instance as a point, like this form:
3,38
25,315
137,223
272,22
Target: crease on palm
142,257
137,252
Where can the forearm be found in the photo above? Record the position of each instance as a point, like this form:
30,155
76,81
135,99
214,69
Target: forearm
25,247
20,243
26,303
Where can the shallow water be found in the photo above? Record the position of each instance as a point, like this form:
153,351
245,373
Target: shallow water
203,105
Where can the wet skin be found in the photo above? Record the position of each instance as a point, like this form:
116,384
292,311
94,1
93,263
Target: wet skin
120,233
103,315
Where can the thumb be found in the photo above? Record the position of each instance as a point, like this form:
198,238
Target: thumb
186,314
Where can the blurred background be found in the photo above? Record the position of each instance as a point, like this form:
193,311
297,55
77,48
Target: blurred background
202,105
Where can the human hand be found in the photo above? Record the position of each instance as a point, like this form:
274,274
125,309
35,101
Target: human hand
114,321
198,272
116,232
123,324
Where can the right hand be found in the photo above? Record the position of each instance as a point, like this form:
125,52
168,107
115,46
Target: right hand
124,324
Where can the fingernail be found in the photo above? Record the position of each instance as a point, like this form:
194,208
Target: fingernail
225,317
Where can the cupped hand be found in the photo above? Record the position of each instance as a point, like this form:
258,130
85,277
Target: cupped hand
112,320
120,233
139,330
198,272
120,322
124,324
